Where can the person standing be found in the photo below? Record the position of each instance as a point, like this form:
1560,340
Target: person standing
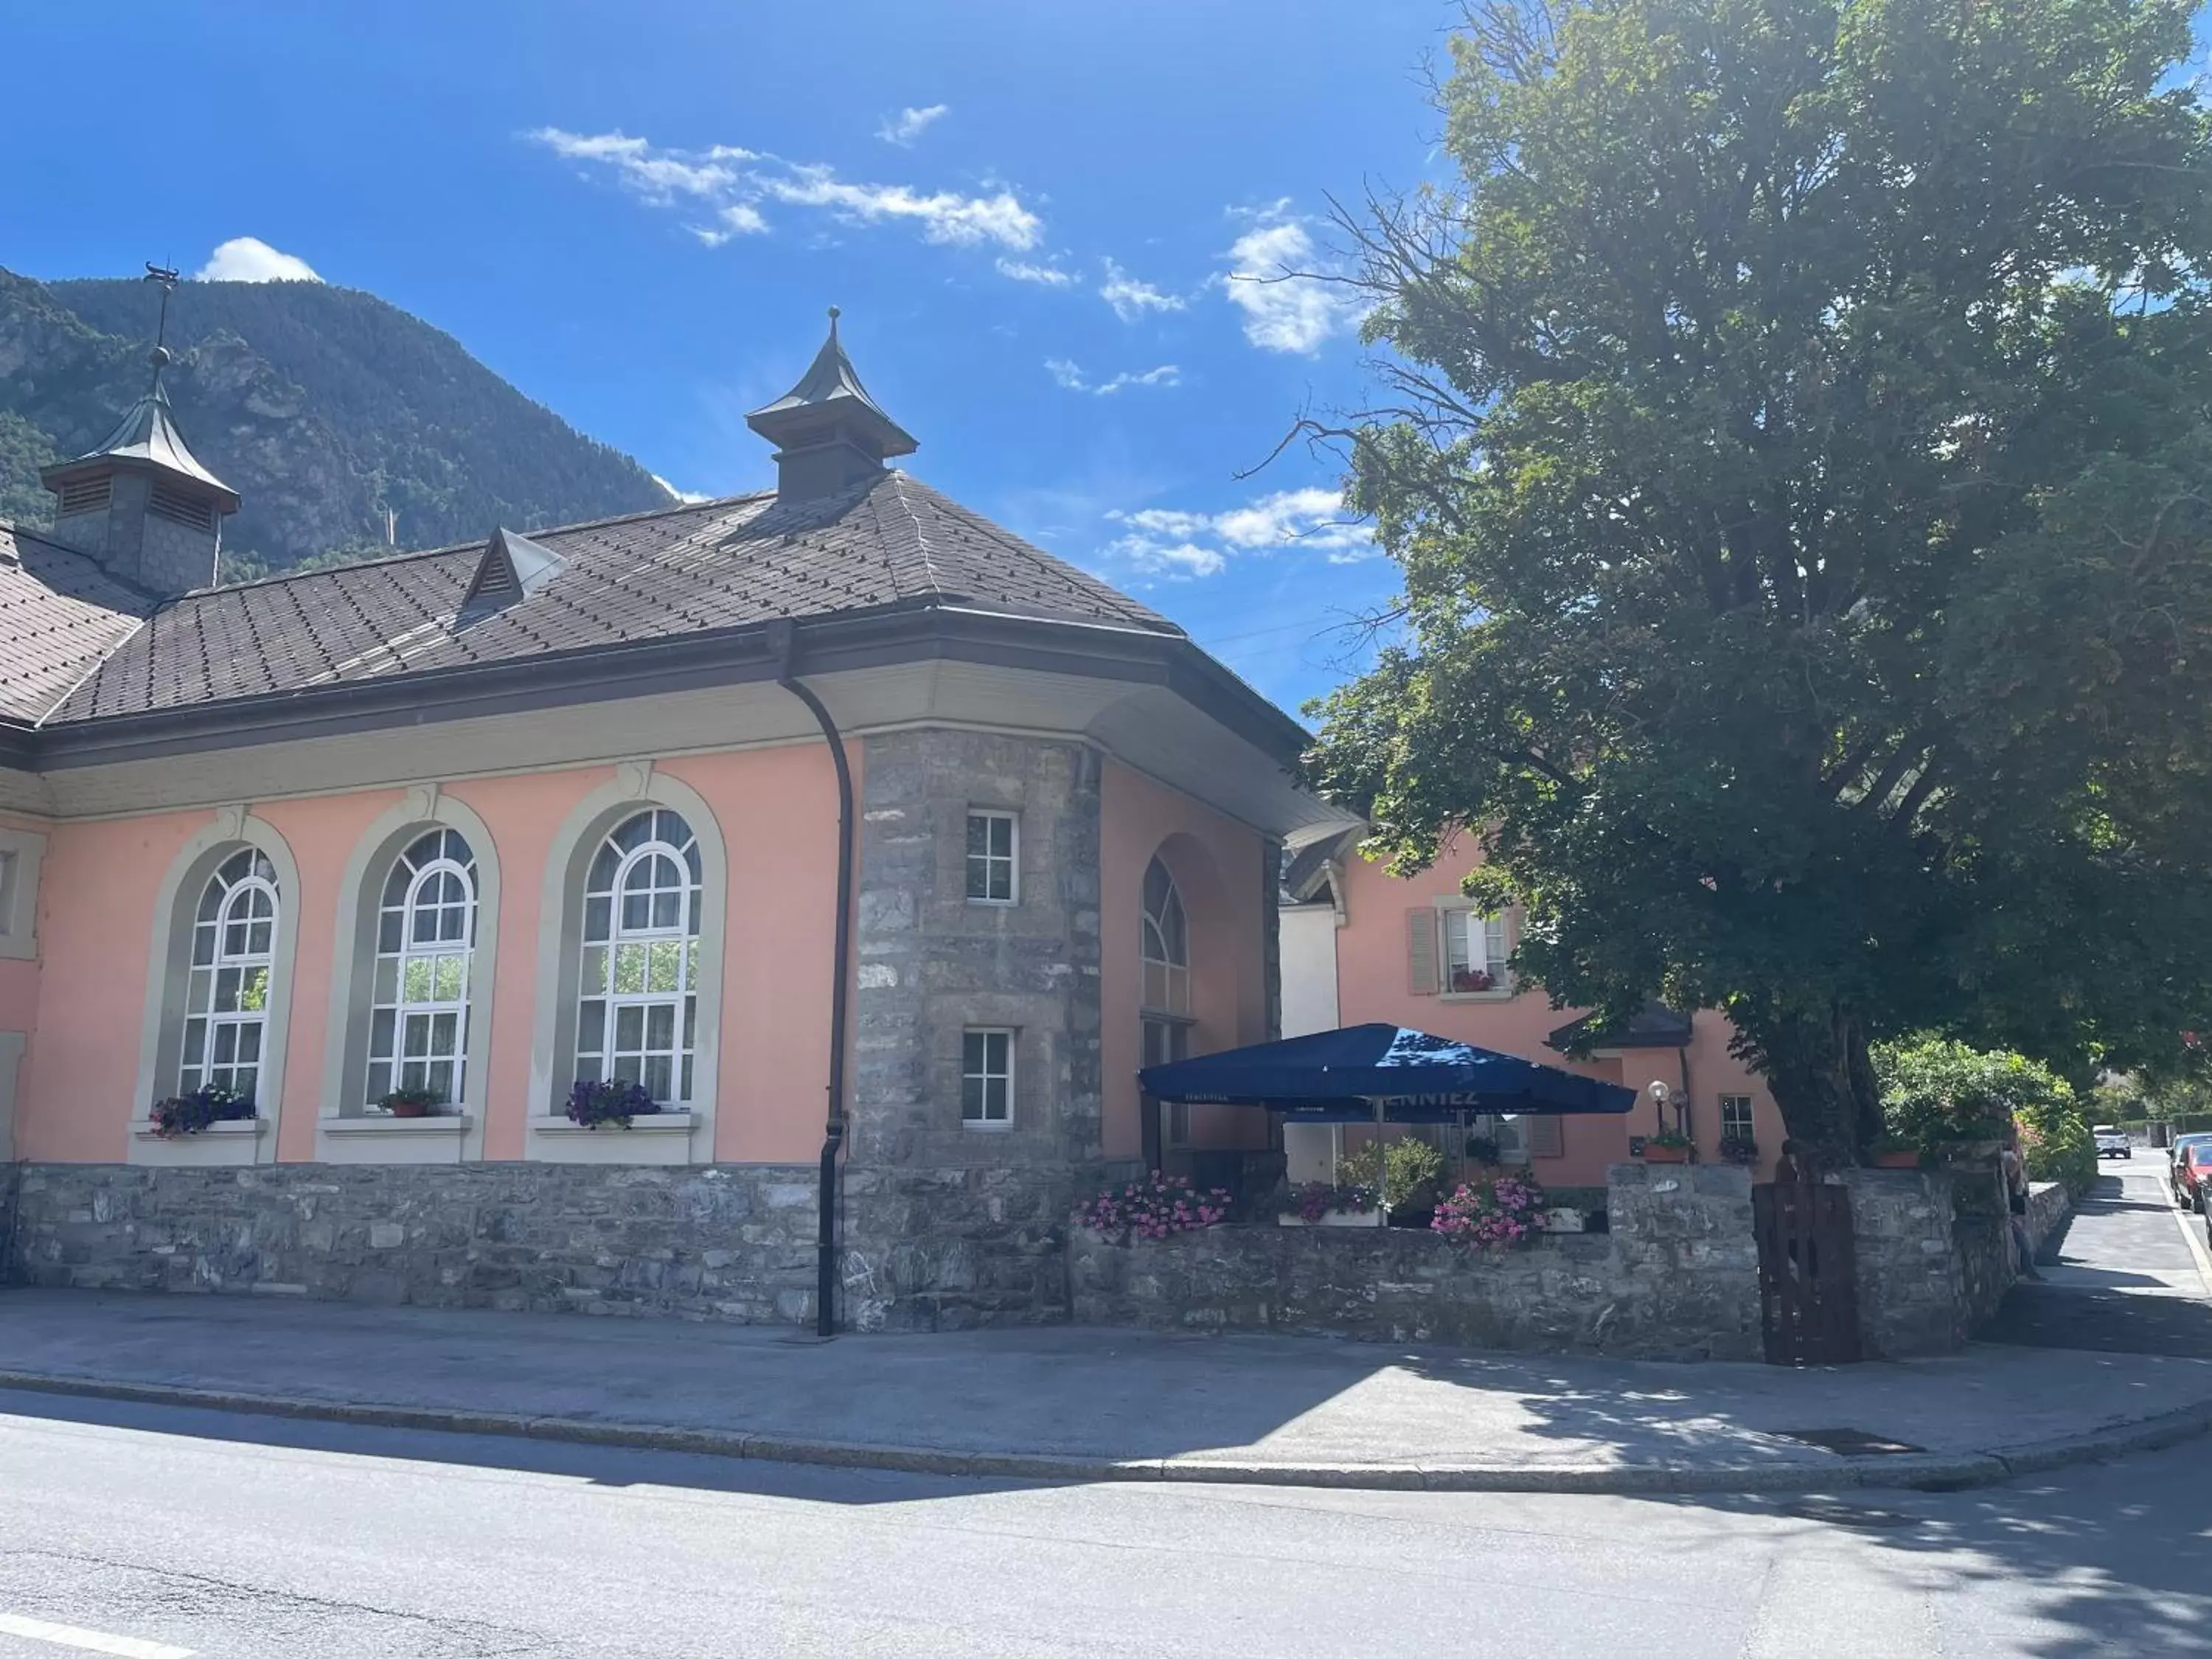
2015,1170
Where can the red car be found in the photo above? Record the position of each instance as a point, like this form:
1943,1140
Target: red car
2192,1173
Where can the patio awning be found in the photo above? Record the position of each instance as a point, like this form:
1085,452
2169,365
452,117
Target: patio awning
1344,1076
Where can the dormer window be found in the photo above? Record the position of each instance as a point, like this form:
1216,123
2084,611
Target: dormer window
513,568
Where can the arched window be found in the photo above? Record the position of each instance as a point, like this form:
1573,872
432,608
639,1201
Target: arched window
1166,945
637,1005
1164,994
425,934
226,992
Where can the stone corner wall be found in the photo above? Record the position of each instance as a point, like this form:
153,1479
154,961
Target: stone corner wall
1912,1267
948,1248
1931,1271
930,963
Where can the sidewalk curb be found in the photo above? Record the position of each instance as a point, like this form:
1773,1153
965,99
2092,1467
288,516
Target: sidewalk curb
1935,1471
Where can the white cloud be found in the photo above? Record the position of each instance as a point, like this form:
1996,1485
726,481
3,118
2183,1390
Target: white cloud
943,215
1165,541
250,259
734,184
910,124
689,497
1179,559
1071,376
1278,279
659,176
1045,276
1131,299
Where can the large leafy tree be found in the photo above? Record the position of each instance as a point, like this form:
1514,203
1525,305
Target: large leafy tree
1801,468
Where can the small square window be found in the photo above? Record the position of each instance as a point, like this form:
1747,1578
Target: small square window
1735,1116
987,1080
990,863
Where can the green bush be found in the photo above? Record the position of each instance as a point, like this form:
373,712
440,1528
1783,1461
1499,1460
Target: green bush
1412,1173
1935,1093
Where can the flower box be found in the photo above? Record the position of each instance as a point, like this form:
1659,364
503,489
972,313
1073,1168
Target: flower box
1902,1157
1656,1154
1332,1219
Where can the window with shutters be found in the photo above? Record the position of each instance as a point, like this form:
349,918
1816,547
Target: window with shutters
1455,951
1514,1143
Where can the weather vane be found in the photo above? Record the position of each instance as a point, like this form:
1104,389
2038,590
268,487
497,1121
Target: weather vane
166,277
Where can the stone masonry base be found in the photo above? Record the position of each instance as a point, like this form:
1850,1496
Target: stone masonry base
944,1249
922,1249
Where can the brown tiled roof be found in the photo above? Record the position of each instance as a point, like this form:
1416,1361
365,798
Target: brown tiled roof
60,614
893,542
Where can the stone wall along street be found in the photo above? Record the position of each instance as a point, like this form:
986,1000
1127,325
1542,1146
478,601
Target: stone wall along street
732,1243
1677,1277
922,1248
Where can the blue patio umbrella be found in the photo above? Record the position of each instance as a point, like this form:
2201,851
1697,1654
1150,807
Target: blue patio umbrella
1382,1073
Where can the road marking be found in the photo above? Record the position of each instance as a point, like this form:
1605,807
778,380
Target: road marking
2197,1252
89,1641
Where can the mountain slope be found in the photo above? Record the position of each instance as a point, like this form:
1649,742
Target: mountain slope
322,406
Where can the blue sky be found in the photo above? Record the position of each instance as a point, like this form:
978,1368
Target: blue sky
1032,215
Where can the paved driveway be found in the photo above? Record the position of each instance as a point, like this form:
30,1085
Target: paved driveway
2126,1277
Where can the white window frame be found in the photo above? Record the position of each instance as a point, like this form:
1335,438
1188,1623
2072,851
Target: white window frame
236,939
1749,1129
403,998
1175,1126
977,1069
1511,1135
1163,948
644,945
21,852
990,861
1498,942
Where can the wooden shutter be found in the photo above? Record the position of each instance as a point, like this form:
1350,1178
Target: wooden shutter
1421,950
1544,1139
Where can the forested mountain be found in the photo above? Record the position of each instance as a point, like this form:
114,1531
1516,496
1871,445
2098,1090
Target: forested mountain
322,406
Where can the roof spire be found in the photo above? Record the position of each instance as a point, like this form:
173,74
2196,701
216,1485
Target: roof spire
829,433
165,277
142,503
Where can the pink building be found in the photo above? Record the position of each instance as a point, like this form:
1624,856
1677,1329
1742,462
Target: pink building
478,824
1359,945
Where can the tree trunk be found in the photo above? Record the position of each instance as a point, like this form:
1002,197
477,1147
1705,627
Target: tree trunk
1823,1082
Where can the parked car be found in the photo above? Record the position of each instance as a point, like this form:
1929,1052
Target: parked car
2112,1142
2180,1144
2192,1173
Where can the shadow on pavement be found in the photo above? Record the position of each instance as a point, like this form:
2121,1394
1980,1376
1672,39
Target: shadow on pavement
2055,1547
601,1466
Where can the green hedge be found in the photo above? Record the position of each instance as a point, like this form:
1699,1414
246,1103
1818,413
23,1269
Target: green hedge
1934,1092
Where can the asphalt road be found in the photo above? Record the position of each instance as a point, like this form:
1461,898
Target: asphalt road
162,1533
2124,1279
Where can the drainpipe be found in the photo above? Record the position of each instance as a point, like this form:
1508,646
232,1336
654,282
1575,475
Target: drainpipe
782,638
